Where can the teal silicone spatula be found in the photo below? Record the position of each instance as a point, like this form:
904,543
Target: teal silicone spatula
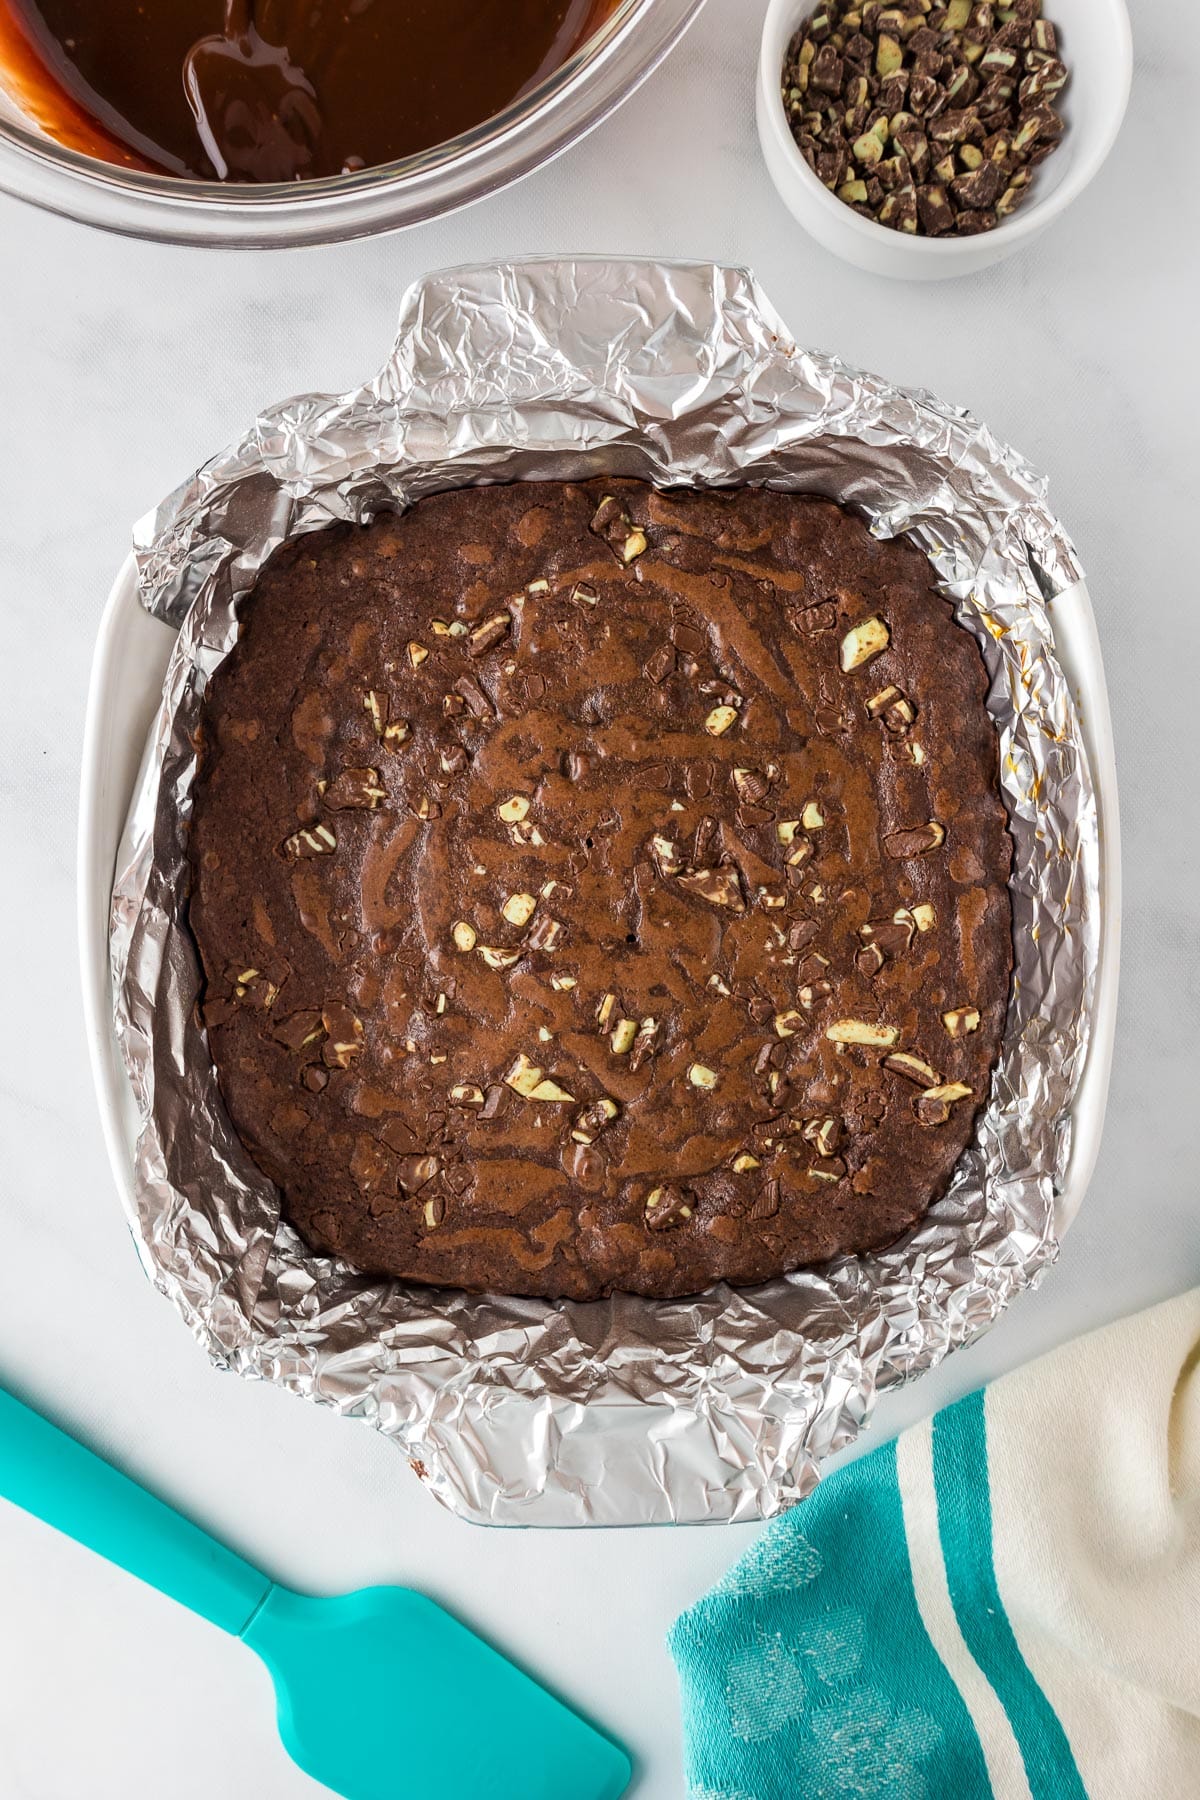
382,1695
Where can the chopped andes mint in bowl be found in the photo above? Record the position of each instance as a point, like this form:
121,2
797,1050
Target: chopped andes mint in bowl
926,119
929,138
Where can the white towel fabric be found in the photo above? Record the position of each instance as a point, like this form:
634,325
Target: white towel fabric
1094,1468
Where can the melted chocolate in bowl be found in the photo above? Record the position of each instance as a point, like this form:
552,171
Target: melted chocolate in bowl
272,90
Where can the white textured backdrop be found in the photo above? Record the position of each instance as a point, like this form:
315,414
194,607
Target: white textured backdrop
121,367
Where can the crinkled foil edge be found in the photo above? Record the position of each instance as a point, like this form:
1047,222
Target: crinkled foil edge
627,1411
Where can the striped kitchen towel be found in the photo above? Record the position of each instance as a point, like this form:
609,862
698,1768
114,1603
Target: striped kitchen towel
1004,1604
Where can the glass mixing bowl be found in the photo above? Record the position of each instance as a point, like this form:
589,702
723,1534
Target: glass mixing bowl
535,128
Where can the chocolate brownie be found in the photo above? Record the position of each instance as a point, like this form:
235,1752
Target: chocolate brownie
601,888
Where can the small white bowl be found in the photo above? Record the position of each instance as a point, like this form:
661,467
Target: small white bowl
1097,49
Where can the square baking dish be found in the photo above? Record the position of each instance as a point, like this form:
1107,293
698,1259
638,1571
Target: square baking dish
132,656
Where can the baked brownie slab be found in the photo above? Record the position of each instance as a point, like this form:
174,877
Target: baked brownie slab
601,888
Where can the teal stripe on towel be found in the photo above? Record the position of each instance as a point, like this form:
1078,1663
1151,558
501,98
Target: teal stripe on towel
960,1476
807,1673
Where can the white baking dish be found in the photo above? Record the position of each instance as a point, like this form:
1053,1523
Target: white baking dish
724,1406
126,687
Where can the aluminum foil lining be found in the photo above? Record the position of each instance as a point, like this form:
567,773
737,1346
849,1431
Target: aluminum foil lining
627,1411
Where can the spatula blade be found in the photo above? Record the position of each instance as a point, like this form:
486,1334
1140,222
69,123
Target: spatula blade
383,1695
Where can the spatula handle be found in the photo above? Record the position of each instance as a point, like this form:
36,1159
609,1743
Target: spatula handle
54,1477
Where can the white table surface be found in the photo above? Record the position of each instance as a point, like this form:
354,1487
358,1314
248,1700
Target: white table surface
122,366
